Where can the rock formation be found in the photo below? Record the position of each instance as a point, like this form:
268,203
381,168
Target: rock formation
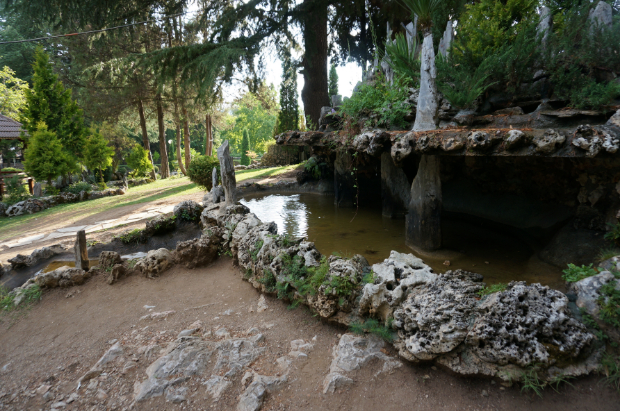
227,171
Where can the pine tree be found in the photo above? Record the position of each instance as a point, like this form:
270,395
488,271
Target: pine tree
288,117
48,101
245,147
332,87
97,153
45,158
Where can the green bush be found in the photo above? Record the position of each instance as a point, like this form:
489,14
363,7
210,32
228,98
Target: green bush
139,161
17,170
573,273
381,103
77,188
201,169
16,191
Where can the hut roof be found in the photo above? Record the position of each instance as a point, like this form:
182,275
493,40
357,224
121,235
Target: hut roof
9,128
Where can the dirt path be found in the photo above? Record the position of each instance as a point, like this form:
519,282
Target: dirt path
49,347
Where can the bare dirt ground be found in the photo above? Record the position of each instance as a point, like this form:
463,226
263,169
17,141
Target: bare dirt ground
46,349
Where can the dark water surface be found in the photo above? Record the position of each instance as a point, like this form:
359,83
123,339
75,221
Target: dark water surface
498,256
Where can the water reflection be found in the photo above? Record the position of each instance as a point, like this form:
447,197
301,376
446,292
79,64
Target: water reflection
498,256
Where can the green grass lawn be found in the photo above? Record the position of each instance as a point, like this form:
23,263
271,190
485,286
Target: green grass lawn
136,195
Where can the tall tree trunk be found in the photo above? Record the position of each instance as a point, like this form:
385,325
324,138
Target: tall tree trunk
208,136
145,137
186,143
164,170
314,94
179,159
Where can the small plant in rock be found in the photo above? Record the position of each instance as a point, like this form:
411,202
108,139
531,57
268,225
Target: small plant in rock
609,301
607,253
257,247
77,188
131,237
132,263
574,273
7,298
269,281
614,233
531,382
248,274
373,326
611,368
369,278
558,380
101,186
495,288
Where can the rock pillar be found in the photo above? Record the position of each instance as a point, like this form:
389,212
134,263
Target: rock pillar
344,180
81,252
426,117
446,41
423,223
37,191
214,178
395,188
227,171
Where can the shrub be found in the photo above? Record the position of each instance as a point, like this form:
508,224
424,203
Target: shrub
402,57
132,237
16,191
101,186
139,161
17,170
573,273
77,188
609,301
201,169
381,103
372,326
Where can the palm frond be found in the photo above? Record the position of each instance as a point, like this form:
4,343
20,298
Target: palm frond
424,9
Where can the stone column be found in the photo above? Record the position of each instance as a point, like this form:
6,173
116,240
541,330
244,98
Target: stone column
423,223
395,188
227,171
344,181
426,117
81,251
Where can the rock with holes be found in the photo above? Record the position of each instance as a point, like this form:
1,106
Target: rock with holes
402,147
160,225
594,140
393,279
155,262
371,142
435,317
115,273
188,210
548,142
352,353
109,259
199,251
515,139
62,277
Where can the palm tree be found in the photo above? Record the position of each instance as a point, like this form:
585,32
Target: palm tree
426,112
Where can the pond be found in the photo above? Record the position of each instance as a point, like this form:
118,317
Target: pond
498,256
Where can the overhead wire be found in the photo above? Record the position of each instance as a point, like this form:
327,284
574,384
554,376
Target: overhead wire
92,31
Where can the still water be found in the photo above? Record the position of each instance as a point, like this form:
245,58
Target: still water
499,257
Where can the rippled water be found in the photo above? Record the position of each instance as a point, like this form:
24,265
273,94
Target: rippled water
498,256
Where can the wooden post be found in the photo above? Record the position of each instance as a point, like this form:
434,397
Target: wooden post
30,185
81,251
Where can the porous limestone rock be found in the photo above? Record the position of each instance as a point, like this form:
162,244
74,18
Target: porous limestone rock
109,259
402,147
515,139
116,272
479,140
549,141
452,144
435,317
44,253
352,353
197,252
61,277
588,291
160,225
188,210
371,142
526,325
614,121
393,279
155,262
594,140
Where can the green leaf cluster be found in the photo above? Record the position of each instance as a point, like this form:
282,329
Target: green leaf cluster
12,93
574,273
45,157
138,160
495,288
200,171
245,147
97,154
77,188
402,57
373,326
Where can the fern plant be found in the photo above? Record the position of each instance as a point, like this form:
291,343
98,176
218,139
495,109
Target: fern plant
402,57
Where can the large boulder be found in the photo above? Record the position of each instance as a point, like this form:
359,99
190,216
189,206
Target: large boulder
108,259
198,252
160,225
62,277
43,253
155,262
188,210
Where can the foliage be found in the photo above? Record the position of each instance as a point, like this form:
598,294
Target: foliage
97,154
200,171
313,167
495,288
460,85
118,140
574,273
268,280
45,158
531,382
383,104
16,191
288,116
611,367
48,101
255,112
369,278
607,253
577,55
138,160
257,247
17,170
77,188
132,237
614,233
402,56
332,83
245,147
424,9
7,298
12,93
372,326
609,302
